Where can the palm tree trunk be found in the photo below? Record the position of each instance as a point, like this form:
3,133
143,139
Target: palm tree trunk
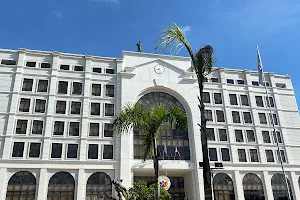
206,166
155,164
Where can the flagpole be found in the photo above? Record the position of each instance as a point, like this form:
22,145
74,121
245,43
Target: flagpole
273,126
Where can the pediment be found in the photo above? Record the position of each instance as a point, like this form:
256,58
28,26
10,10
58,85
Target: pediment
186,75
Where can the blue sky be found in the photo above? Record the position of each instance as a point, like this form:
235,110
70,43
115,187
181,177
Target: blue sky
106,27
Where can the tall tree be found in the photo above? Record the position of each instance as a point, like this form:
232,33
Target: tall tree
174,39
149,122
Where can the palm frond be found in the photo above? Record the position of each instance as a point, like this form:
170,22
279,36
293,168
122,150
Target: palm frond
148,145
130,117
177,117
204,61
173,39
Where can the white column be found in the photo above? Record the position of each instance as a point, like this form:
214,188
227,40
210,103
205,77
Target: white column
42,185
125,160
3,183
267,185
238,186
81,185
295,185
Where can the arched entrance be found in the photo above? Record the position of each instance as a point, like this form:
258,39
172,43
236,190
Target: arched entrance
279,187
21,185
223,187
97,186
253,188
61,187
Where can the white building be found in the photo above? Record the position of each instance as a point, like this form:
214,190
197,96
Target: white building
55,127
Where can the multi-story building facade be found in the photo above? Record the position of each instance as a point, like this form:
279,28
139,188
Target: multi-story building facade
56,138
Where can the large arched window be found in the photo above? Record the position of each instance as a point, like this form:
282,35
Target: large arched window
279,187
21,185
169,137
97,186
223,187
61,186
253,188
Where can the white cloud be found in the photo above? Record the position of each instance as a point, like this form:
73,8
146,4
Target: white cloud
186,29
58,15
105,1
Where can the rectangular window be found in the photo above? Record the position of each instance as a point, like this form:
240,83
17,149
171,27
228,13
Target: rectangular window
30,64
27,84
205,97
108,130
93,151
236,117
40,105
271,101
210,133
277,136
281,85
225,154
61,107
240,82
247,117
95,108
254,155
24,105
208,115
110,71
21,126
270,156
274,118
42,86
77,88
255,83
223,135
230,81
62,87
262,118
34,150
250,136
220,116
109,109
78,68
233,99
218,98
108,152
97,69
242,155
266,136
65,67
74,129
8,62
213,156
72,151
18,149
110,90
239,136
259,101
56,150
244,100
282,154
94,129
59,127
96,89
37,127
75,108
214,80
45,65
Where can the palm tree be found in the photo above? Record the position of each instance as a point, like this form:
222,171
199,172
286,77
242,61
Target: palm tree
174,39
149,121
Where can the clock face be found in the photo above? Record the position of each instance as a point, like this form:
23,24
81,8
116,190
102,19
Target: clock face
159,69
